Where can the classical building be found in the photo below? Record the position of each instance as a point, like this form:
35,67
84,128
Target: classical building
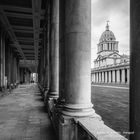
110,66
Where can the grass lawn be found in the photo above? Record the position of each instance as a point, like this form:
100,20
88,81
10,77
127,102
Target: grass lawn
112,105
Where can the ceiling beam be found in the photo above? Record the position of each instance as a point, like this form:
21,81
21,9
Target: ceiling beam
10,31
20,15
22,39
36,10
19,9
23,46
24,29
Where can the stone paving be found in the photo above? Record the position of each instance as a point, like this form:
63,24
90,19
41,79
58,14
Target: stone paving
23,116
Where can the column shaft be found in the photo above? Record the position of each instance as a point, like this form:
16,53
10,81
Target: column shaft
123,76
118,76
47,45
102,77
77,71
54,50
113,76
135,69
128,75
106,77
109,77
97,77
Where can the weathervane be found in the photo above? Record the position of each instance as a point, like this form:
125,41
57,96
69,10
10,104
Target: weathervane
107,26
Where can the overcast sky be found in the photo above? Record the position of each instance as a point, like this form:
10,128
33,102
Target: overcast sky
117,12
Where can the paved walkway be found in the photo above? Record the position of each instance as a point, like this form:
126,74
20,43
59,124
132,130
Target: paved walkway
23,116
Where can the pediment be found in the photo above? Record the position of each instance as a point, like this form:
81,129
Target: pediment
114,55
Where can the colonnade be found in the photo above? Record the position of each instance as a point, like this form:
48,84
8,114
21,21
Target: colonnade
10,72
120,76
64,70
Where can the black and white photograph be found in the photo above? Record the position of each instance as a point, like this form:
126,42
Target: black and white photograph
69,70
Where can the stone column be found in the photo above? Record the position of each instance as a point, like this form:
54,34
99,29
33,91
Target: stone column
103,77
135,69
0,60
97,77
123,76
113,76
91,77
109,77
47,63
118,76
128,74
47,53
109,46
77,71
100,77
106,77
94,78
4,78
54,50
9,68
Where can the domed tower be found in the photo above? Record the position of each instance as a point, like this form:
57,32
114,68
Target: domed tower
107,43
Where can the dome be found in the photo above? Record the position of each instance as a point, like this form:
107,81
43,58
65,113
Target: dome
107,35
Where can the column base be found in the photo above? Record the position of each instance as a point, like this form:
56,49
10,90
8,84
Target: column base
2,89
53,94
46,95
78,110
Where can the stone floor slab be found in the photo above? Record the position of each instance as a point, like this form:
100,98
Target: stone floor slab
23,116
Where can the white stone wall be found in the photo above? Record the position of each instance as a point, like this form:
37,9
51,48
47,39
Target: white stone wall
110,61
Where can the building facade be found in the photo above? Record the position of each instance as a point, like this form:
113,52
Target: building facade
110,66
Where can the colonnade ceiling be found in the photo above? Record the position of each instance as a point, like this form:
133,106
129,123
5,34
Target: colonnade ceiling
23,20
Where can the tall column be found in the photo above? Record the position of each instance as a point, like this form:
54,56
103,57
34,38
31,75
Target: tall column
47,44
106,77
100,77
54,50
94,78
77,71
113,76
12,68
97,77
118,76
135,69
109,77
109,46
91,77
128,74
9,68
0,60
123,76
4,77
103,77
